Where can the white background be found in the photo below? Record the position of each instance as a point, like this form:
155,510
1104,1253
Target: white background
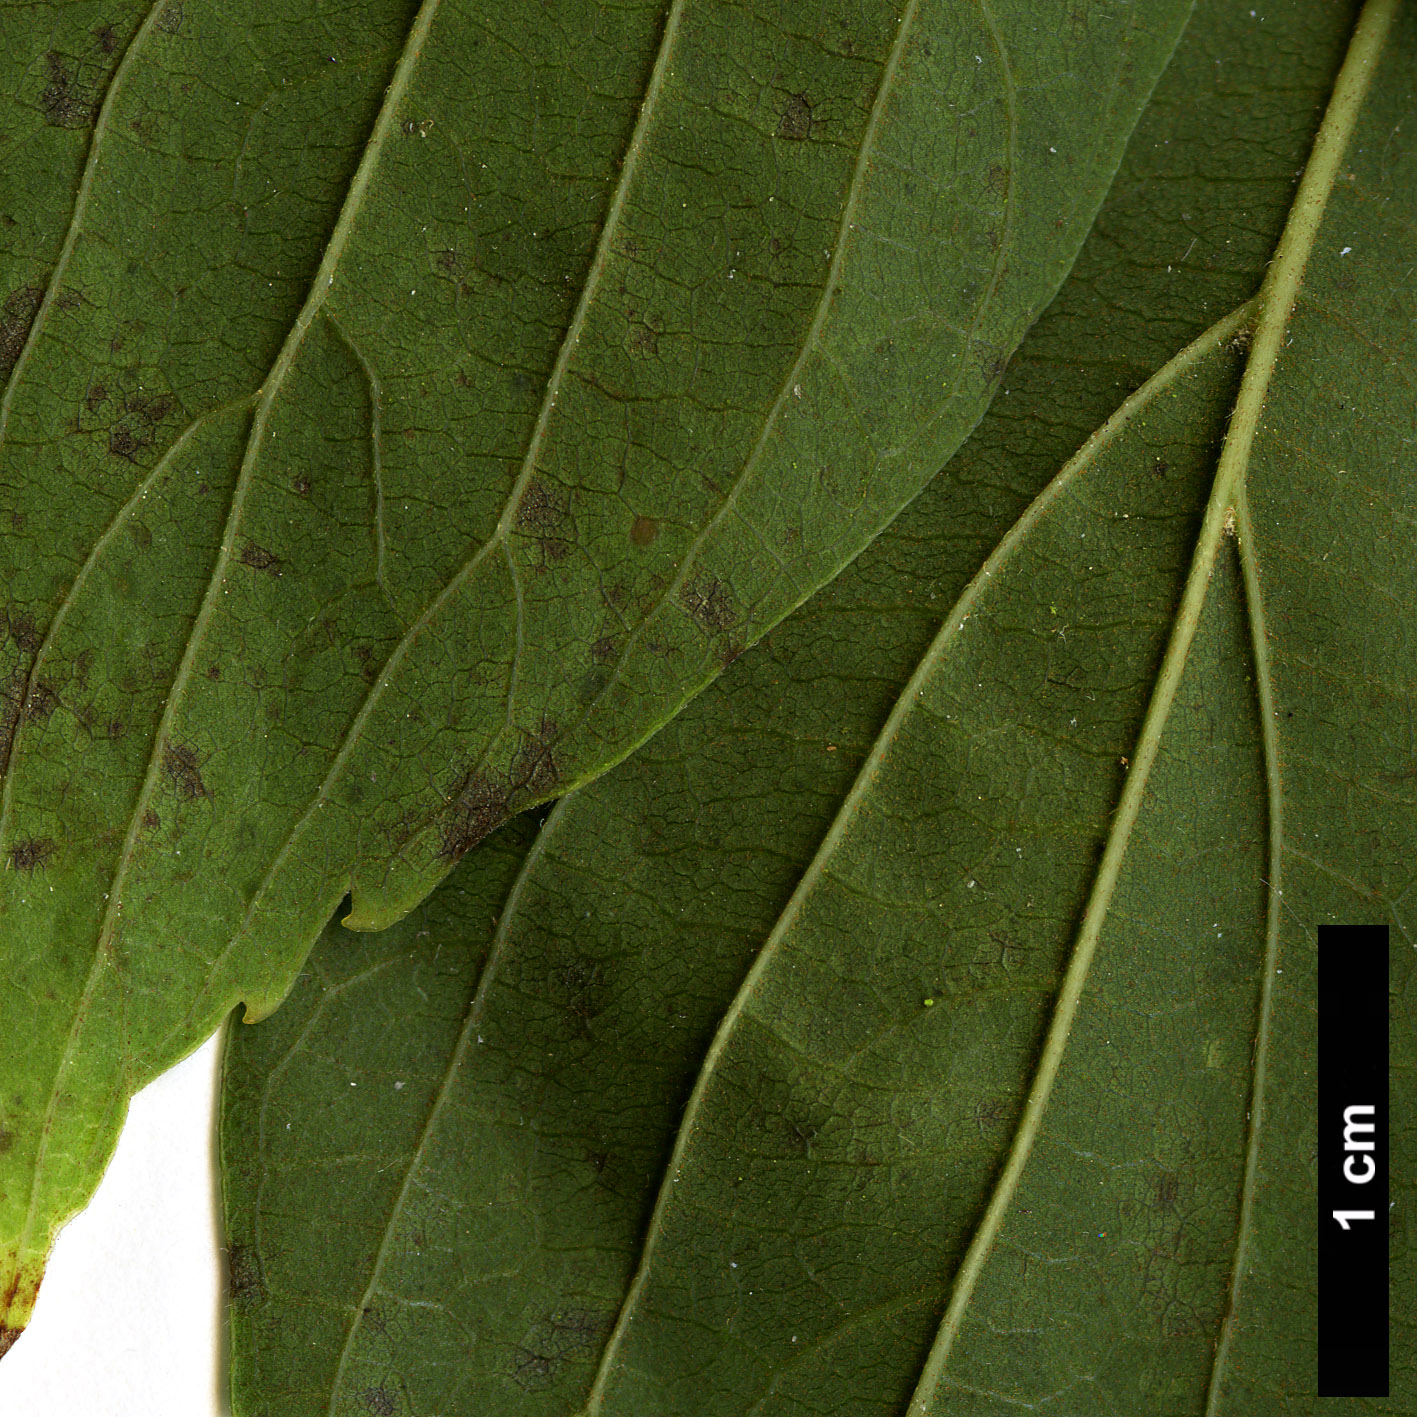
129,1321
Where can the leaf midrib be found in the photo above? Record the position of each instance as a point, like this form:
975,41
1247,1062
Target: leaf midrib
1275,303
952,626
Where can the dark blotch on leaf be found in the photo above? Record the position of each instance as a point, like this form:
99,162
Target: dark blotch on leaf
540,510
40,703
709,604
24,632
796,122
31,853
478,808
125,441
378,1400
8,1336
259,559
107,38
643,531
16,317
170,21
179,762
551,1342
243,1273
534,770
65,103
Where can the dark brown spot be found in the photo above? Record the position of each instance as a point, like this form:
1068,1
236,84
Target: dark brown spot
534,770
550,1342
478,808
30,854
540,510
16,317
368,669
140,534
11,699
126,441
7,1140
40,703
796,122
709,604
775,246
180,764
8,1337
107,38
83,665
243,1276
603,650
1165,1191
378,1400
259,559
95,396
1160,467
151,820
642,338
301,486
68,299
170,21
24,632
643,531
65,103
581,986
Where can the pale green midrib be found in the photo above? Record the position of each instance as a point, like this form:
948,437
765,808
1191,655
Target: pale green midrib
81,579
1274,304
324,278
76,217
495,952
862,786
1274,887
352,738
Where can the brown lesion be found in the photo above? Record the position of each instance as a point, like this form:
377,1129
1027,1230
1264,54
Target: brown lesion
796,122
258,558
709,603
16,316
477,809
29,854
64,101
179,762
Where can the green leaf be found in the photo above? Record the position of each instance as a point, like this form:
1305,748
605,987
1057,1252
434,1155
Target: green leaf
924,1020
422,405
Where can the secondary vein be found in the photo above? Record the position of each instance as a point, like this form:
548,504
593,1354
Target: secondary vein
1264,702
1275,303
1130,409
475,1011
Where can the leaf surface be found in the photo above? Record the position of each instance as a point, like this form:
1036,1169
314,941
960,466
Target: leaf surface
744,1114
421,405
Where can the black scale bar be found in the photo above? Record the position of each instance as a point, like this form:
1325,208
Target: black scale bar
1353,1160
